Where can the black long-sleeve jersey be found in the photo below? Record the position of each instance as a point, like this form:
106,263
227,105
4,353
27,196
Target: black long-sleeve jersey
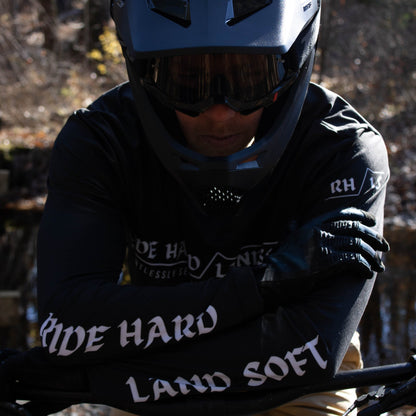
192,321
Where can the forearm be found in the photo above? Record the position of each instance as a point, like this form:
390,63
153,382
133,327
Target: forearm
297,345
85,314
137,319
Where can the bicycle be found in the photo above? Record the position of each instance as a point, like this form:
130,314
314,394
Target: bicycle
397,388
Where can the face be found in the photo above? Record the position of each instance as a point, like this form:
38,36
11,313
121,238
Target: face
219,131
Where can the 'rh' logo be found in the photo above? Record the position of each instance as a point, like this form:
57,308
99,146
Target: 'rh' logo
352,187
342,185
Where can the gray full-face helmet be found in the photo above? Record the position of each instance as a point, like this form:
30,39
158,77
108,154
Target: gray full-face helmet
274,40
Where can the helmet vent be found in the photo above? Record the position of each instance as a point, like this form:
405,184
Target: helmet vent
176,10
220,199
238,10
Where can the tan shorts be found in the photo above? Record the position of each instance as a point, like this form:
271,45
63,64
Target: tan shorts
316,404
327,403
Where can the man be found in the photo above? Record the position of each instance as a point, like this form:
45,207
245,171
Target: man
249,203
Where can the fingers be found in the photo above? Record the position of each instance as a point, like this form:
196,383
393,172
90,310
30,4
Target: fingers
354,214
356,263
366,253
354,236
13,409
349,249
6,353
347,214
358,230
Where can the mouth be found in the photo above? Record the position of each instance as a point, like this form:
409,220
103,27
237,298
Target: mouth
220,139
221,145
229,140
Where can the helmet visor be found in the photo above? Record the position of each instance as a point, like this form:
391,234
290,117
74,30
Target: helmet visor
193,83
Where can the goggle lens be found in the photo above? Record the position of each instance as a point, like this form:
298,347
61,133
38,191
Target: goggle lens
193,83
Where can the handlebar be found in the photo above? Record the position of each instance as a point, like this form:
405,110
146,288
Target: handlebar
254,402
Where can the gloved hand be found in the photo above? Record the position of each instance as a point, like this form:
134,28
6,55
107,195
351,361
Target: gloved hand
13,409
328,245
32,370
7,407
5,382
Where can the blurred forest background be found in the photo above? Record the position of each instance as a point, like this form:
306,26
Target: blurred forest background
59,55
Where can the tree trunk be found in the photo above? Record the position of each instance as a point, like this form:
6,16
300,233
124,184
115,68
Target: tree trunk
325,36
47,17
96,17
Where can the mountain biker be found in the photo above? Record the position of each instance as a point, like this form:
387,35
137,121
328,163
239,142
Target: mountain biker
248,201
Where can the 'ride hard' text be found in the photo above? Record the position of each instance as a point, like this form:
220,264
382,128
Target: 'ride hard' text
64,341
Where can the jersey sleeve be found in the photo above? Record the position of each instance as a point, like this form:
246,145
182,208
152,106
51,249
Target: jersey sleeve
346,163
300,344
84,313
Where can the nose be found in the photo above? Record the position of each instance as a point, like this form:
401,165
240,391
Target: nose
220,112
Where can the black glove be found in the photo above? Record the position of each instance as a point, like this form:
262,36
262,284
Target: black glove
13,409
334,243
7,407
6,388
25,372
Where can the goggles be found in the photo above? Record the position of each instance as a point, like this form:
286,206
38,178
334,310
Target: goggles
193,83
